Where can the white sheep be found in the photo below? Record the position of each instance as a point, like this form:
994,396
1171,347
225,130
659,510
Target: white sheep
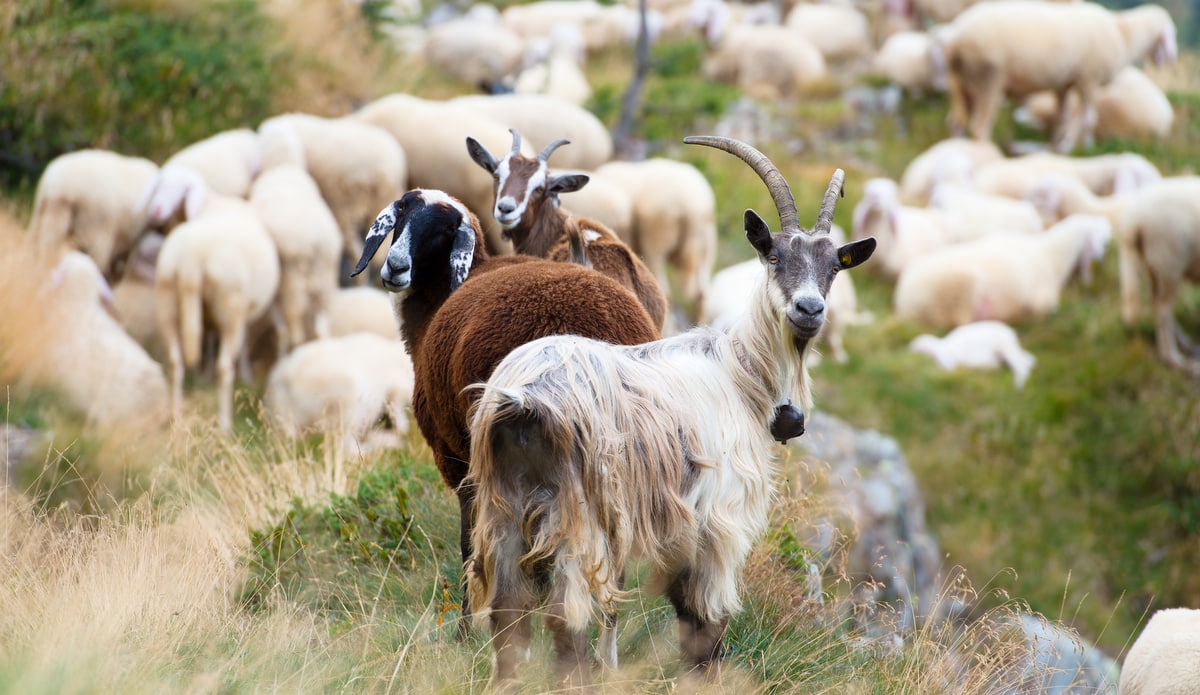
586,455
432,133
545,118
220,266
341,387
557,69
476,49
674,223
309,245
840,32
1131,106
978,345
602,26
85,354
362,310
988,214
952,160
1160,228
1103,174
358,167
228,161
1025,46
134,300
1007,279
908,59
1165,658
605,200
91,200
766,62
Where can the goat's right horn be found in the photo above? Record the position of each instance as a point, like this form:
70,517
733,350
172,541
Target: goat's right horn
516,146
549,150
835,190
785,203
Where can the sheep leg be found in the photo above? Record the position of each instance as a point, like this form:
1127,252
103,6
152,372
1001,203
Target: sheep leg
175,357
1127,260
1166,328
233,339
699,639
571,668
990,92
1064,133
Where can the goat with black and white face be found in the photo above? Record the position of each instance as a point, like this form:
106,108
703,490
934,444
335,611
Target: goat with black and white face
527,209
586,455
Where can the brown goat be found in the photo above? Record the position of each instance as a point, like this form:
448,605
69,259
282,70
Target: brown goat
462,311
527,208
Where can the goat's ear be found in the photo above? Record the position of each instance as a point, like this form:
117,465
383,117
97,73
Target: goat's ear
385,222
481,156
461,254
758,233
565,183
855,252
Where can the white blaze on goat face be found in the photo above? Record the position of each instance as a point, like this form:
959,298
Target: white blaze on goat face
514,189
397,269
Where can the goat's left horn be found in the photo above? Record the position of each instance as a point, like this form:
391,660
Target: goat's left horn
545,154
835,190
789,219
516,146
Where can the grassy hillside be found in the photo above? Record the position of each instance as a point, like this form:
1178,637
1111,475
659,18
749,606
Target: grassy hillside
210,563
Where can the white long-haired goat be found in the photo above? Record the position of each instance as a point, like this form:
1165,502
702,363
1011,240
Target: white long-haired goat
587,455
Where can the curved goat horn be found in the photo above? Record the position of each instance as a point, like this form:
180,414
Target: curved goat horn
835,190
545,154
516,146
789,219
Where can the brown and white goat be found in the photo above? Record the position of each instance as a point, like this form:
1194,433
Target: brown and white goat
462,310
527,208
586,455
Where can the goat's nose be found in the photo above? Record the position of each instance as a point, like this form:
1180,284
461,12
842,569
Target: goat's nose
397,266
506,206
810,306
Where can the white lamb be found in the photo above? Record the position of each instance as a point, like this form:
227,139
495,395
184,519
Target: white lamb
85,354
228,161
222,267
1002,278
342,387
953,160
908,59
1165,658
903,233
978,345
362,310
546,118
89,200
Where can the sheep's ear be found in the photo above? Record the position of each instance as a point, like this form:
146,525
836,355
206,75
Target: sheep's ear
461,254
758,233
194,202
385,222
481,156
148,192
854,253
565,183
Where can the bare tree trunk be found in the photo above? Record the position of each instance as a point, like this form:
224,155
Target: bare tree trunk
628,146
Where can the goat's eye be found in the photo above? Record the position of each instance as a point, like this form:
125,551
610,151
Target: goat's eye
773,259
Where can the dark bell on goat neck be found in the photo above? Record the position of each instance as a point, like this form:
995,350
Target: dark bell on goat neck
787,423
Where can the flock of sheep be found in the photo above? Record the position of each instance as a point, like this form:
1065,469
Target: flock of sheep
234,255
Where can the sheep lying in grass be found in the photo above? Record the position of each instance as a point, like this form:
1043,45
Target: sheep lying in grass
342,387
83,352
1003,278
1165,658
91,200
587,455
978,345
461,311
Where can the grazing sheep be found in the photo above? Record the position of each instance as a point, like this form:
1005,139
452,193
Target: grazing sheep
765,61
341,386
1165,658
86,355
840,32
544,118
908,59
1131,106
362,310
1022,47
431,133
587,455
674,222
91,200
978,345
527,208
357,167
1002,278
1160,227
475,49
221,267
228,161
953,160
602,26
461,311
558,70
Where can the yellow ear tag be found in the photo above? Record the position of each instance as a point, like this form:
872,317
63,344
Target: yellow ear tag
845,259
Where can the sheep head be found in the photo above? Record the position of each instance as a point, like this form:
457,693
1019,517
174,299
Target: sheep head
800,264
522,184
435,239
